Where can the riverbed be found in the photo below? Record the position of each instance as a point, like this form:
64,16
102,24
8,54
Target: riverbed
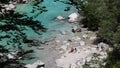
47,19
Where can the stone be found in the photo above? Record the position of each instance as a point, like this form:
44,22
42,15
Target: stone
93,38
64,47
37,64
40,48
76,38
82,43
60,18
85,36
73,17
73,65
88,58
1,54
57,41
63,32
10,56
11,6
76,29
102,46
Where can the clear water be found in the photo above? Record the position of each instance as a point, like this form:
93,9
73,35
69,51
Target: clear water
47,19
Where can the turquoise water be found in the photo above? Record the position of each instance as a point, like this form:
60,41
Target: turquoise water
47,19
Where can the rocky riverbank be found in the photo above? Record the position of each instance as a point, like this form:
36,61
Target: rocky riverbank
66,44
78,51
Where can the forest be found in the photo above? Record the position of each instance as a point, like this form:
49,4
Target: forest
103,16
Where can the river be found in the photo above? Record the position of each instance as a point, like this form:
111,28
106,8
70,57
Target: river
52,9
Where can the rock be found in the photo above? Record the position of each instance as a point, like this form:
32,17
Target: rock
82,43
102,46
57,41
67,9
1,54
64,47
11,6
73,17
63,32
10,56
85,36
71,50
60,18
88,58
76,29
37,64
76,38
73,65
40,48
3,10
93,38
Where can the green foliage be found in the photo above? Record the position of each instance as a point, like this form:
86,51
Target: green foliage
4,1
104,16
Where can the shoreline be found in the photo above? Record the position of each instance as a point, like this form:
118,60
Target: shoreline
66,44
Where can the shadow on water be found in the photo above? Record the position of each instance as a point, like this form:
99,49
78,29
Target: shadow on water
13,37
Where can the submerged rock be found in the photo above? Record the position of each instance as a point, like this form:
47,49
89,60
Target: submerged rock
67,9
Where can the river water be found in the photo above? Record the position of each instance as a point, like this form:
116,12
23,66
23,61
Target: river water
47,18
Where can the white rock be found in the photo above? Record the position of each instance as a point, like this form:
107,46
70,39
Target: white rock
75,27
57,41
10,56
63,32
102,46
88,58
73,17
73,65
60,18
1,54
11,6
64,47
35,65
85,36
8,8
76,38
5,5
82,43
3,10
93,38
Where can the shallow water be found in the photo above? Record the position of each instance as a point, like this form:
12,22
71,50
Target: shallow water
47,19
54,9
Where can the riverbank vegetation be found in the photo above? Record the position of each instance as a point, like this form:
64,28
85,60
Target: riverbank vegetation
103,16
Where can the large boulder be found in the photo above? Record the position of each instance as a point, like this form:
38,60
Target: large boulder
73,17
